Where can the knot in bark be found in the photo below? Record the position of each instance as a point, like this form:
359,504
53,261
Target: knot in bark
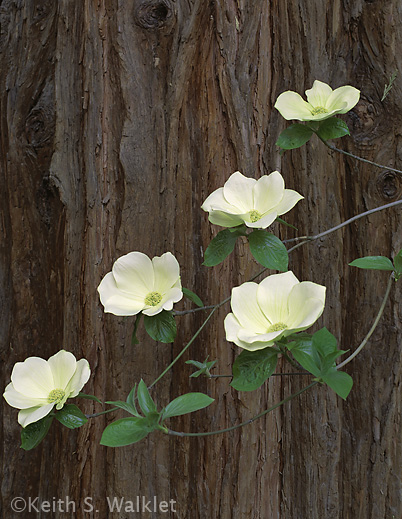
389,185
153,14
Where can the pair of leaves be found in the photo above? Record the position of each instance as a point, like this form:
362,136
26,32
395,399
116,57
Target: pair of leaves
298,134
317,354
70,416
266,248
380,263
133,429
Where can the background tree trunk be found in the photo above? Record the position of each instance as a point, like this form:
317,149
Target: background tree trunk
117,120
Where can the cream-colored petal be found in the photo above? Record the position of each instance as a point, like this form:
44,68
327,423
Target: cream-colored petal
343,99
238,191
268,192
33,377
289,200
225,219
322,117
292,106
134,273
266,338
166,272
217,202
272,295
63,365
246,309
263,222
174,295
306,315
232,327
120,303
28,416
318,94
306,304
15,399
79,378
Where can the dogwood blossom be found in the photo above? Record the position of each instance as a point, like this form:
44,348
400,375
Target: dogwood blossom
278,306
256,203
37,385
139,284
322,102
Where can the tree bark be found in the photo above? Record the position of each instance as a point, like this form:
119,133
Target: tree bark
117,121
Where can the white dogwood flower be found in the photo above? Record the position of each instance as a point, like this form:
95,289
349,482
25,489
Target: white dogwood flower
322,102
256,203
279,306
139,284
37,385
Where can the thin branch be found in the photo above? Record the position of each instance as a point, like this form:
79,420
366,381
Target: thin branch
343,224
374,326
215,307
273,374
334,148
184,312
228,429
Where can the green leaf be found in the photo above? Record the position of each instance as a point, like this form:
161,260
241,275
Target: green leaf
192,296
332,128
89,397
161,327
268,250
134,339
186,404
252,368
339,381
306,355
398,265
195,363
317,353
125,432
144,399
71,416
294,136
131,400
125,406
373,263
220,247
33,434
324,342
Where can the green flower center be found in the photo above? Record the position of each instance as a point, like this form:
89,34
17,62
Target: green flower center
319,110
153,299
56,395
277,327
255,216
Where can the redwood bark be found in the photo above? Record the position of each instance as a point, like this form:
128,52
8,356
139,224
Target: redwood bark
117,120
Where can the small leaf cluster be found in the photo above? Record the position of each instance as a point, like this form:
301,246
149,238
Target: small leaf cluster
203,367
136,427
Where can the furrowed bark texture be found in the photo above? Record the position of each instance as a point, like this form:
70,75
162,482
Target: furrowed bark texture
117,120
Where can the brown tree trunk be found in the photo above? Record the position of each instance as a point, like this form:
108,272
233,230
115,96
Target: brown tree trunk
117,120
